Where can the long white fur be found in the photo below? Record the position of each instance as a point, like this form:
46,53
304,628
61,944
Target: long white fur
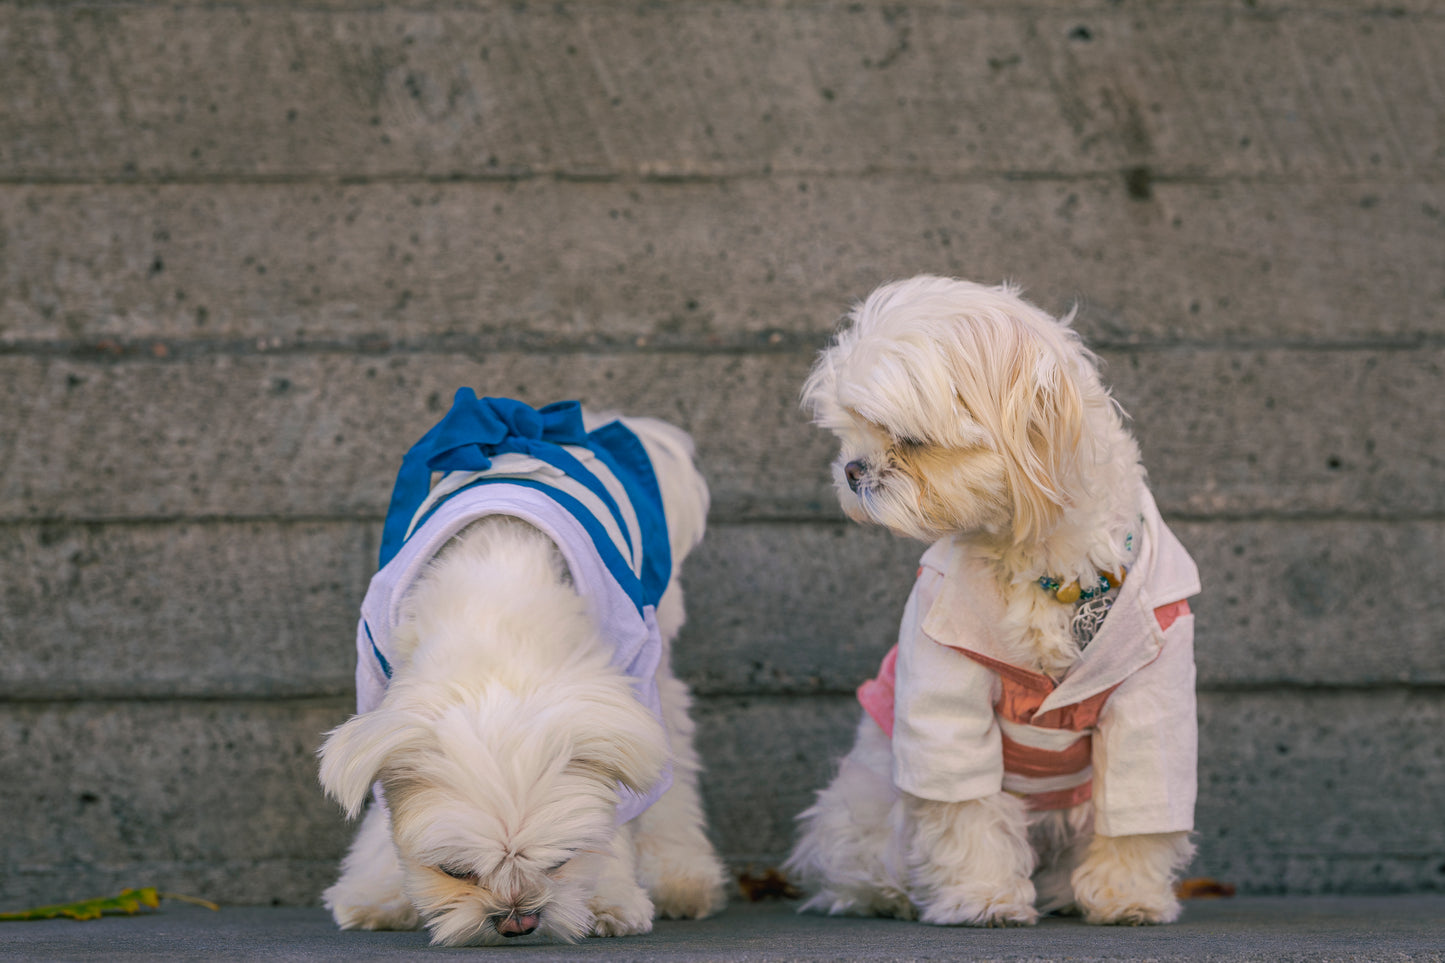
973,413
500,742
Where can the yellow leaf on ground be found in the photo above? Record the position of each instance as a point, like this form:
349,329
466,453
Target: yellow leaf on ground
127,901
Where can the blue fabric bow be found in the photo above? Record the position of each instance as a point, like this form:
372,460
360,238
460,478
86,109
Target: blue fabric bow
466,439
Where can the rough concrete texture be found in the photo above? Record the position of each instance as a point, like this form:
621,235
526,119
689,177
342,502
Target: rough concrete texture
1296,603
698,88
1293,603
201,610
248,252
219,796
229,434
1292,795
729,262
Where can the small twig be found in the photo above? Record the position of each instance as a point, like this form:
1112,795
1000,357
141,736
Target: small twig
193,900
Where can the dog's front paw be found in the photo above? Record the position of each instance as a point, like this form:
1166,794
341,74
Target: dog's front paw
621,914
1010,904
683,895
1129,880
358,902
369,895
1108,898
396,914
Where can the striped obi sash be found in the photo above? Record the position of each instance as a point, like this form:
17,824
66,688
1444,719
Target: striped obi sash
1047,756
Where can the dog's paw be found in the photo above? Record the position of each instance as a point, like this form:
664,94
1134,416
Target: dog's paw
365,903
618,922
1123,902
683,894
624,914
1010,904
885,902
1128,880
396,915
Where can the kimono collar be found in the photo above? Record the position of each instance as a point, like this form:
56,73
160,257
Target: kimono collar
968,609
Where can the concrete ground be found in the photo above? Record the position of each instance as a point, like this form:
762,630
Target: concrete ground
1262,928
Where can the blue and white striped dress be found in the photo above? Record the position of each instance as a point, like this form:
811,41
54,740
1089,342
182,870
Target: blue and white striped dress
593,493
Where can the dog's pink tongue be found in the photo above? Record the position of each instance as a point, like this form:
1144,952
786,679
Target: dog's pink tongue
517,925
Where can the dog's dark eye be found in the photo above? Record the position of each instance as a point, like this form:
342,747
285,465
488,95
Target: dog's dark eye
461,874
565,860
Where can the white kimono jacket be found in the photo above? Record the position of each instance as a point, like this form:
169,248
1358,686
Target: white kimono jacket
1120,724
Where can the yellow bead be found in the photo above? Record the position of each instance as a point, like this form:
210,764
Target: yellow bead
1114,580
1068,594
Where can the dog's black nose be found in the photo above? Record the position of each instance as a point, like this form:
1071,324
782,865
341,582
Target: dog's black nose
854,471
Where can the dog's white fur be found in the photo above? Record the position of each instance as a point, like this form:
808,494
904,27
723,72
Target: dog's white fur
501,741
963,410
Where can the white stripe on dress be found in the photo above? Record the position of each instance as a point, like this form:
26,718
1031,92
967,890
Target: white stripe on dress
598,467
1033,785
1036,737
514,465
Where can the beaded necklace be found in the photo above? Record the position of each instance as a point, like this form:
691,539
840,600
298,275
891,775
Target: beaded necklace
1093,602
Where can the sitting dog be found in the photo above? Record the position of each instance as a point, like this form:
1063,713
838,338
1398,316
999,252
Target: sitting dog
1029,744
527,747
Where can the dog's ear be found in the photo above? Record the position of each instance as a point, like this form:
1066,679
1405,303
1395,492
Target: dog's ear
356,752
620,742
1042,415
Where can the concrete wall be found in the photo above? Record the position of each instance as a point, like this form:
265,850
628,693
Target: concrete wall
248,250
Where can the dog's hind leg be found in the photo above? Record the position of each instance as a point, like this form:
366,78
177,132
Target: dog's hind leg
848,853
368,896
675,860
1060,838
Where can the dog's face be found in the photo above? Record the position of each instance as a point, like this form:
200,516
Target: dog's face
500,804
960,409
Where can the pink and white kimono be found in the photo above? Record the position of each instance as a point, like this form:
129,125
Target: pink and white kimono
1119,727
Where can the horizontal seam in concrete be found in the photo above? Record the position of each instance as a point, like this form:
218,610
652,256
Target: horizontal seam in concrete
1270,14
328,699
1157,177
166,351
1384,687
36,866
1389,687
135,521
161,350
821,519
302,700
722,521
1273,687
1306,517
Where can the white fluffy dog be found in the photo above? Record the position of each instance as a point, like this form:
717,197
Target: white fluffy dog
1030,743
508,738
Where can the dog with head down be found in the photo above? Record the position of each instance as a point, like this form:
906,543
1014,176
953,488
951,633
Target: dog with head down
524,743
